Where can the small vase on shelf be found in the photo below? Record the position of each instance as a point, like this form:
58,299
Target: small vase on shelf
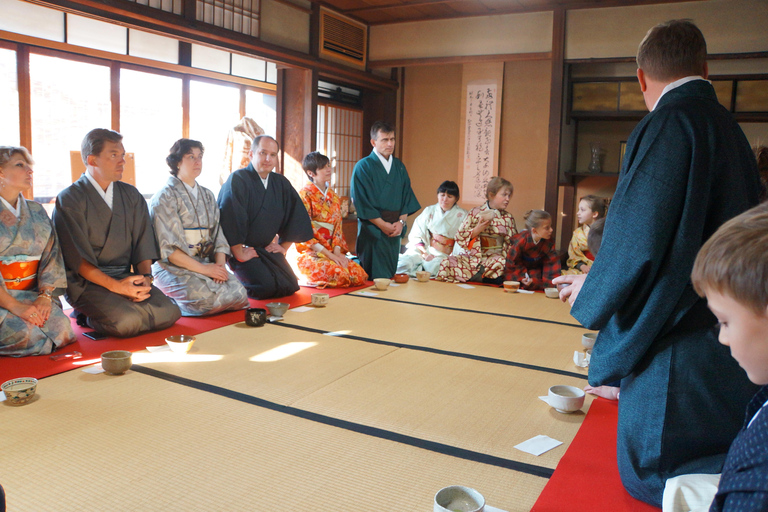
594,164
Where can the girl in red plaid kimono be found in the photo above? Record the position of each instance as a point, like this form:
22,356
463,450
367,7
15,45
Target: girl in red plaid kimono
532,259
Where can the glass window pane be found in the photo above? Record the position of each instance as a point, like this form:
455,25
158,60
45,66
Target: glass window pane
262,108
249,67
152,46
271,72
95,34
32,20
211,59
151,123
213,111
69,99
9,99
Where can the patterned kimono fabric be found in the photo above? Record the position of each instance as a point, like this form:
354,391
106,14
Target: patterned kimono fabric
27,240
324,210
538,260
191,224
578,251
491,256
432,221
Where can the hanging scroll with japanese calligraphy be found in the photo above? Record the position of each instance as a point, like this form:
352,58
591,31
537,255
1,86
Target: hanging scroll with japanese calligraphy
482,86
480,139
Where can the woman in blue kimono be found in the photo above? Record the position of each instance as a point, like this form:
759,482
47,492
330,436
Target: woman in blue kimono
31,319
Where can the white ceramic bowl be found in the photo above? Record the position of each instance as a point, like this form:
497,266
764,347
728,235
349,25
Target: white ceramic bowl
566,399
381,283
320,300
457,498
588,340
19,391
180,343
552,293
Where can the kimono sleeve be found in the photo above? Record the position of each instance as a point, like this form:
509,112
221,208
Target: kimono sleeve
221,243
575,253
71,225
51,270
306,199
166,220
464,233
233,203
297,226
410,204
513,271
144,245
418,234
362,191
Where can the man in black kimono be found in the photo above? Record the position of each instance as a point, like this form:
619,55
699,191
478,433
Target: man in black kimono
383,198
256,206
688,168
108,245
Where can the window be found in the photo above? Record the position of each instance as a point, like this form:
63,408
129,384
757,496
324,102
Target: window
262,108
68,99
151,123
9,99
213,111
340,138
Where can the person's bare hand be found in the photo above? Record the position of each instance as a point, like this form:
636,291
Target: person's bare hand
427,256
244,253
28,312
134,288
586,268
388,229
340,260
43,306
526,281
569,286
216,272
275,248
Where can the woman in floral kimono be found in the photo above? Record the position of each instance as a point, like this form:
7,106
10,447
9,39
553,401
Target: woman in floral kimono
31,320
193,250
323,260
432,236
484,236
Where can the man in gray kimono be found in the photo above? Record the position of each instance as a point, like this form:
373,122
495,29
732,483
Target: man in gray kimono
108,245
688,168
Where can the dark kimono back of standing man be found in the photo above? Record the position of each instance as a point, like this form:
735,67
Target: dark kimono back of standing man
688,168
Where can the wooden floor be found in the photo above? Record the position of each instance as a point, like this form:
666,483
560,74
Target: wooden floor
418,387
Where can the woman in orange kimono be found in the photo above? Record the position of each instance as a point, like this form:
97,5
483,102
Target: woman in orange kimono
323,259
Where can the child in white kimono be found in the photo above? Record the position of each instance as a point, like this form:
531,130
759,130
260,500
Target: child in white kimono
432,236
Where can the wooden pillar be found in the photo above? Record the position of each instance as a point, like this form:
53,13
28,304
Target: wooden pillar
555,115
296,119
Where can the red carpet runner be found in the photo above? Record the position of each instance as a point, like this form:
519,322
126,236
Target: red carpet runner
42,366
587,477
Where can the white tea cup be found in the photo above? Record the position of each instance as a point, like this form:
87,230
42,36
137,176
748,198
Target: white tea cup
457,498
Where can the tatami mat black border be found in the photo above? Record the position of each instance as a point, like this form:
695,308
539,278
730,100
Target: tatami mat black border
450,353
464,310
423,444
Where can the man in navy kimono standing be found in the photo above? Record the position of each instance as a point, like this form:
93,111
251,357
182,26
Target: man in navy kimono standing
258,205
382,194
688,168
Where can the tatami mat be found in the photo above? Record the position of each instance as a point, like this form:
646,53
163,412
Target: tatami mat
363,422
135,442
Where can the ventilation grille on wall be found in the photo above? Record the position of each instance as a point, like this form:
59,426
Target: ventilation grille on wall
343,39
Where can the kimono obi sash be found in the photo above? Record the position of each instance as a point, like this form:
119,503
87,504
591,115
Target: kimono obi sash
390,216
445,248
323,228
198,243
20,275
491,242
